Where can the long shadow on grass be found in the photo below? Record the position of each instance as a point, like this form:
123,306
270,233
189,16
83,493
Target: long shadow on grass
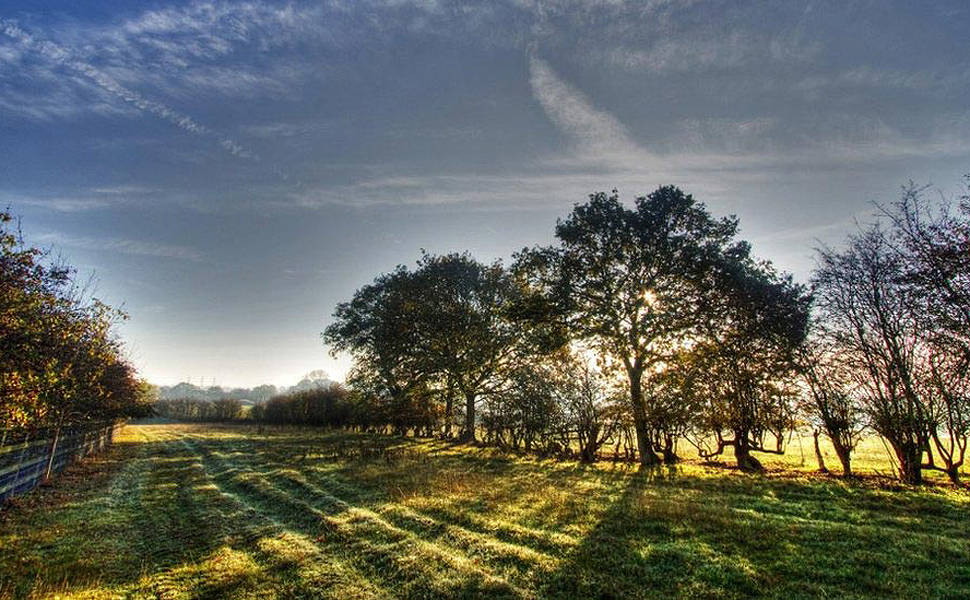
729,536
635,551
659,535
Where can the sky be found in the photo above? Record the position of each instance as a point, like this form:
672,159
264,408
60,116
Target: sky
229,172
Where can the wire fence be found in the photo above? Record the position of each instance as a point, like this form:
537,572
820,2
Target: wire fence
28,459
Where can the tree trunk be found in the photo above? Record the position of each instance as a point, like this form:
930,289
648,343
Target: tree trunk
954,474
845,457
468,435
742,453
818,453
670,456
910,469
449,409
644,442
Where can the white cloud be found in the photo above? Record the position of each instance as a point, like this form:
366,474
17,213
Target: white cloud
592,130
124,190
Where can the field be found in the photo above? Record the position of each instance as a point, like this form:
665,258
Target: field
184,511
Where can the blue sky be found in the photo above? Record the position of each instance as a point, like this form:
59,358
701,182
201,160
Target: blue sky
231,171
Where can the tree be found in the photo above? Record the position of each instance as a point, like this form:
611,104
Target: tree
945,387
59,361
467,336
756,323
525,413
227,409
933,244
861,294
832,400
382,328
630,282
442,331
262,393
591,410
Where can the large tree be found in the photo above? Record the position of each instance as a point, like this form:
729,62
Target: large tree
630,281
443,330
380,327
467,336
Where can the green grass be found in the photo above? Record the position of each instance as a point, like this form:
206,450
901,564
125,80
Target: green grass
190,511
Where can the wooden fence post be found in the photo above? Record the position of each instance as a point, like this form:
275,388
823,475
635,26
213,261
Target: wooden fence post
50,459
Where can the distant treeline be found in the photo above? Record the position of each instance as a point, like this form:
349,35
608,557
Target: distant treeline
60,363
575,422
260,393
192,409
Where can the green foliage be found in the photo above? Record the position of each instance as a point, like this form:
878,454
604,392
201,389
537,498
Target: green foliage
59,362
331,406
424,339
193,409
748,356
712,344
642,284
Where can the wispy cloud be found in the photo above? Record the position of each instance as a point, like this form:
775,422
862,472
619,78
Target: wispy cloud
709,50
124,190
60,55
97,198
118,245
65,205
593,131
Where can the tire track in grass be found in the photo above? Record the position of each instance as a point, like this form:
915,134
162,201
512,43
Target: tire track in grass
539,540
248,487
381,543
289,545
279,474
397,557
482,537
513,562
513,546
254,545
330,575
519,564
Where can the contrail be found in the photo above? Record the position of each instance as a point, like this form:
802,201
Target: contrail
62,56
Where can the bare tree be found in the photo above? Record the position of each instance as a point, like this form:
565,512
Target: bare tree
832,402
862,297
946,391
933,242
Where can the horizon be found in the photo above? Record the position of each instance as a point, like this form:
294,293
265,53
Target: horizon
231,172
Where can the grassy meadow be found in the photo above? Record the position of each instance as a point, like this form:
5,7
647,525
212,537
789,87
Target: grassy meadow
202,511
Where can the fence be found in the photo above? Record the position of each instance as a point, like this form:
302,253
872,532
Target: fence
28,459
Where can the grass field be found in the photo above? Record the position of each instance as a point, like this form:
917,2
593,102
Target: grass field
186,511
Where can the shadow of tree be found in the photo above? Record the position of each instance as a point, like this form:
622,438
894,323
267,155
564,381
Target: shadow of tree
635,552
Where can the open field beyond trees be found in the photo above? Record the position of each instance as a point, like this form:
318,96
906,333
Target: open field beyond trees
183,511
